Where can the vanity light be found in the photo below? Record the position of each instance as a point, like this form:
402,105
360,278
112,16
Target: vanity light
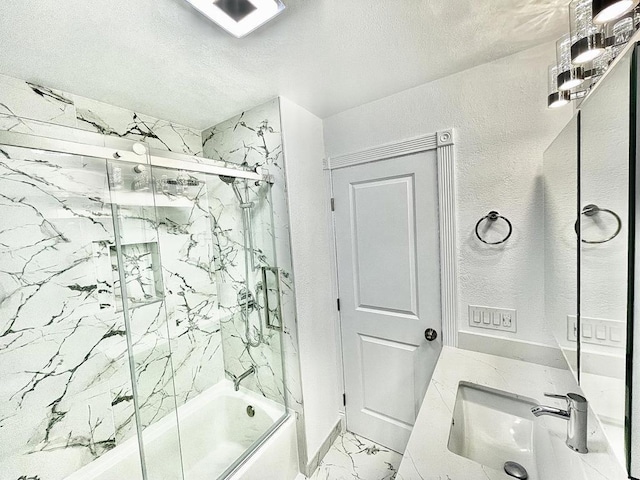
569,75
588,43
607,10
239,17
556,98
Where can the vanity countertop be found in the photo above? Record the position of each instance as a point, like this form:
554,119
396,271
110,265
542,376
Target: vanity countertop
427,456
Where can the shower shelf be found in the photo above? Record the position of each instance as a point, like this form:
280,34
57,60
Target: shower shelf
146,199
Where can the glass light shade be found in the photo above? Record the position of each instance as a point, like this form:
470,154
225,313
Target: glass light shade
620,31
569,76
605,11
588,39
556,98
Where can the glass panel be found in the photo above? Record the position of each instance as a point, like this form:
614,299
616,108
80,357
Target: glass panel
136,259
113,271
604,178
561,240
65,394
214,236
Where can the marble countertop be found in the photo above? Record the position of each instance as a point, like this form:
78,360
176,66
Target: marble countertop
427,456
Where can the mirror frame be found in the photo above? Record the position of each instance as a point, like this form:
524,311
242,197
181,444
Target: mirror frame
632,443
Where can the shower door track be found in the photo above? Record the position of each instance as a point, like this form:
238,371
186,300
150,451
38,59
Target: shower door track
155,158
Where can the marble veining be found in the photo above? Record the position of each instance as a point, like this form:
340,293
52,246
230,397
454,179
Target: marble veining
354,457
29,108
66,395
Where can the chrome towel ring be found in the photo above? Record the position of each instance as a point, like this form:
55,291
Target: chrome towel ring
591,210
492,216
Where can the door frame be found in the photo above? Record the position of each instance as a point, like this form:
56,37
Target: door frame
443,143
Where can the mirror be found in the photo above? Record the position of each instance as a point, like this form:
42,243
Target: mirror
560,184
604,197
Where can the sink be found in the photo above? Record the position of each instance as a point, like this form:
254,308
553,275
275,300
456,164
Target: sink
492,427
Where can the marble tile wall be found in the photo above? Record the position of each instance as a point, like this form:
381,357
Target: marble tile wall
61,349
20,100
254,137
66,393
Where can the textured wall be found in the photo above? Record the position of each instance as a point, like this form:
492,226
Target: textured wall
502,127
312,256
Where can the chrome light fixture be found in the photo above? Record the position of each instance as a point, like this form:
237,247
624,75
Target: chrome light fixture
239,17
605,11
585,53
569,76
556,97
588,38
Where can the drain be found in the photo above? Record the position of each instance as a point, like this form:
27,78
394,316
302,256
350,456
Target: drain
251,411
516,470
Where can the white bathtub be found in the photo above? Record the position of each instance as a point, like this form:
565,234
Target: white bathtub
215,430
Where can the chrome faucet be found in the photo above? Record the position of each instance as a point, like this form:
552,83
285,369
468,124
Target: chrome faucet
575,415
238,379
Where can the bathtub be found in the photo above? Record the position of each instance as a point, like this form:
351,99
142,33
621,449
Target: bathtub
215,430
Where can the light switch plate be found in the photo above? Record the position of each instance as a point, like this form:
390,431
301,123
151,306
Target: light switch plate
503,319
597,331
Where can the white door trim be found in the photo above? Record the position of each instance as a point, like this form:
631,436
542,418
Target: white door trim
442,142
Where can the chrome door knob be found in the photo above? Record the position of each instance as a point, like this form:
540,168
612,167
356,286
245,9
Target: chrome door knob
430,334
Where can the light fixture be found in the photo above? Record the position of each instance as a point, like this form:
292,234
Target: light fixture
586,52
605,11
239,17
569,76
556,98
588,43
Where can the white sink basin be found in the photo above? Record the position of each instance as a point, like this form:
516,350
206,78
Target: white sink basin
492,427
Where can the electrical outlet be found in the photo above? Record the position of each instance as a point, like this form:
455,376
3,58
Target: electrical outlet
503,319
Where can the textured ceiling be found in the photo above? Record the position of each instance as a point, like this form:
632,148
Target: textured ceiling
163,58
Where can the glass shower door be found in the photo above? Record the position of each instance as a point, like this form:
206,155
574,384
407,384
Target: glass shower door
141,296
214,236
65,397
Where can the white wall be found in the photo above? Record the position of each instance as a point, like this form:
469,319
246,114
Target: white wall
502,127
313,277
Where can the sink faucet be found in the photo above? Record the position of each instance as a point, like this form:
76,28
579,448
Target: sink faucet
238,379
575,415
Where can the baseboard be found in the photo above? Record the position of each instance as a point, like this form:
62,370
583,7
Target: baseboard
335,432
531,352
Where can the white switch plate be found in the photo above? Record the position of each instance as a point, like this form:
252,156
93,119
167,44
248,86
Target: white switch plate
503,319
597,331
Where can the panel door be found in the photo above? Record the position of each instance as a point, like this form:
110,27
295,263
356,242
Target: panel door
386,216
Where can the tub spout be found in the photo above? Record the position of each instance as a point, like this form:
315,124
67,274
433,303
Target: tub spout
238,379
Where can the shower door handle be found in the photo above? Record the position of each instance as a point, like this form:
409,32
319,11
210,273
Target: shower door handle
265,292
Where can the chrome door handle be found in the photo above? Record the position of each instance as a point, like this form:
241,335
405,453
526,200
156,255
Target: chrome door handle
430,334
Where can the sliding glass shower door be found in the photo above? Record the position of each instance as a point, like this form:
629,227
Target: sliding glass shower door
133,298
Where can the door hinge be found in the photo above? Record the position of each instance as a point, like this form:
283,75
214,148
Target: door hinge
338,302
333,204
344,399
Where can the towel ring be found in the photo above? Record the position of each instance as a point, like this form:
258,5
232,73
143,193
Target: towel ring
591,210
492,216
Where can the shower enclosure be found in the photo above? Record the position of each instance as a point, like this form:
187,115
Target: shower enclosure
137,289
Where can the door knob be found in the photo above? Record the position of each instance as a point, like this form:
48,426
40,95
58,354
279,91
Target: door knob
430,334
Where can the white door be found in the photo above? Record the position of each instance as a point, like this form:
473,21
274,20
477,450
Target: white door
386,217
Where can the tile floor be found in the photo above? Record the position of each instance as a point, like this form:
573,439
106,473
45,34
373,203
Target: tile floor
353,457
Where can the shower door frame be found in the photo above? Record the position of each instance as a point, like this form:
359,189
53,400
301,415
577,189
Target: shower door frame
151,156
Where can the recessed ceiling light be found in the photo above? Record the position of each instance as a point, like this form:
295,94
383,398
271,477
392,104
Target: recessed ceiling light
239,17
